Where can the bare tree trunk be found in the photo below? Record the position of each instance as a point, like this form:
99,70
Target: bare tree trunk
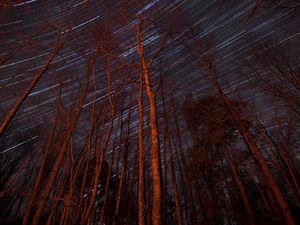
33,83
141,195
156,173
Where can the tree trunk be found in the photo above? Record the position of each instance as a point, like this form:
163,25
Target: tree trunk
156,173
141,195
33,83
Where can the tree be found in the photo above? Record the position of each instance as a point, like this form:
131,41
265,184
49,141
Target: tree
213,132
22,98
151,93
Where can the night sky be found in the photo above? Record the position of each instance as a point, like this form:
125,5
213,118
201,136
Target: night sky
238,37
228,28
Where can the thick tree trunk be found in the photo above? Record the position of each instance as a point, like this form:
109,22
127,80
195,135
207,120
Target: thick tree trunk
156,171
157,190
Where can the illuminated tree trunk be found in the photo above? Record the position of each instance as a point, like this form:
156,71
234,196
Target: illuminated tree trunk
156,174
33,83
141,195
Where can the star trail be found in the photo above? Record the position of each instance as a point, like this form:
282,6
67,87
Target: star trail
74,90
